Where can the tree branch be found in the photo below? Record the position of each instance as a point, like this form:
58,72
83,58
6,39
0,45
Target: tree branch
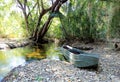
25,3
31,9
42,5
55,7
20,4
38,6
23,7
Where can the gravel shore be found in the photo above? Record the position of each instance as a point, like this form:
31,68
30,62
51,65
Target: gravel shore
60,71
56,71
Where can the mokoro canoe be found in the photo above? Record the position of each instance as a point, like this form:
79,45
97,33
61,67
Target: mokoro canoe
79,58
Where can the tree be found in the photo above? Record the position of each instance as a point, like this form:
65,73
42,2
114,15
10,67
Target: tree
34,13
10,20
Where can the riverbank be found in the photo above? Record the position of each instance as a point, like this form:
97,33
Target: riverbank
13,43
55,71
60,71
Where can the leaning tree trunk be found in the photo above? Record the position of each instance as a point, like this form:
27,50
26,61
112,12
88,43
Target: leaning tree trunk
55,8
38,34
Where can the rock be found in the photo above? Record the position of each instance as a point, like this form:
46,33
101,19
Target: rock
10,44
4,46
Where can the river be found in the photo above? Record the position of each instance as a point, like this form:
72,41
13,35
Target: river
12,58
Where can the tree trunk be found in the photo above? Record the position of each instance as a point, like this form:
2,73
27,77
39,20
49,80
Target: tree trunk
43,30
38,33
55,8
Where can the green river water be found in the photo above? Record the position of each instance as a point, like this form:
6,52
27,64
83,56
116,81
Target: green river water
12,58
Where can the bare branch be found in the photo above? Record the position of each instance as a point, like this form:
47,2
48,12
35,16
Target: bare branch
43,12
54,5
20,4
52,8
23,7
42,5
59,5
31,9
25,3
29,14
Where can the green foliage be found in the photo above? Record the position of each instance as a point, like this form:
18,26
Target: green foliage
34,17
84,19
54,30
79,18
10,21
115,23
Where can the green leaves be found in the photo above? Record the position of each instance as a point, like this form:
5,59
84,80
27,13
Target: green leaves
10,20
83,19
114,22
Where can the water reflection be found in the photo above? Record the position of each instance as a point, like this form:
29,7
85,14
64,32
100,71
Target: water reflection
14,57
35,55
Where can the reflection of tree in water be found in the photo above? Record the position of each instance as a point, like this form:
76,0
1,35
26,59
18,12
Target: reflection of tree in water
37,54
